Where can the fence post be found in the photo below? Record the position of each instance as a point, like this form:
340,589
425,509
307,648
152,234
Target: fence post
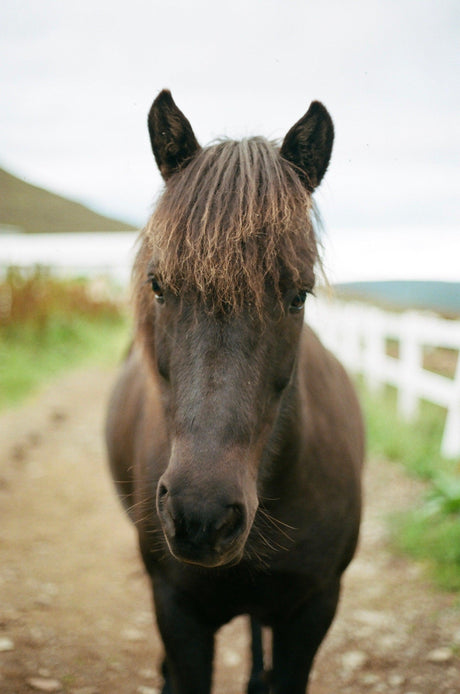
450,445
411,361
374,350
351,350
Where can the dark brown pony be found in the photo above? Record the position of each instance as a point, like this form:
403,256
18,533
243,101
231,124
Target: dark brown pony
235,439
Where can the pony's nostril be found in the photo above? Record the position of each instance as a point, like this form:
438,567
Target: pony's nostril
162,491
231,523
165,510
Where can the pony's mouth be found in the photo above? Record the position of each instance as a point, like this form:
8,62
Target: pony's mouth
205,556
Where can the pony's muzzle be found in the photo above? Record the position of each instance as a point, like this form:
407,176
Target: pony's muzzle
200,531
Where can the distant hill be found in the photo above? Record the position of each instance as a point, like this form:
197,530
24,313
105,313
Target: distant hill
443,297
35,210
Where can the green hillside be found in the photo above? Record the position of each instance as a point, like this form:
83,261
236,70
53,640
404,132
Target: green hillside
35,210
443,297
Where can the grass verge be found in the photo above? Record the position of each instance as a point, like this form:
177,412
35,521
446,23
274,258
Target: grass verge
48,326
29,359
430,532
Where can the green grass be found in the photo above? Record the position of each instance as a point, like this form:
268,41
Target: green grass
48,326
415,444
433,540
430,532
28,359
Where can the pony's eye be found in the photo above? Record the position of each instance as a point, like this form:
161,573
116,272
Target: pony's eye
156,289
298,301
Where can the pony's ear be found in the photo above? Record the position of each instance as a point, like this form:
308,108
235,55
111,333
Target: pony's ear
308,145
171,135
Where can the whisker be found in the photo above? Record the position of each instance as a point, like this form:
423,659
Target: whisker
279,525
271,543
148,501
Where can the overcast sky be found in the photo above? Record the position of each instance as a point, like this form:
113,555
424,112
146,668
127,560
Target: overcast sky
78,78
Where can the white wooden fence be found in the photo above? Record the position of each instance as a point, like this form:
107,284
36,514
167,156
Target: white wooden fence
358,334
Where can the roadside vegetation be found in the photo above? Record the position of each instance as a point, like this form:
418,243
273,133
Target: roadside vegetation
430,533
48,325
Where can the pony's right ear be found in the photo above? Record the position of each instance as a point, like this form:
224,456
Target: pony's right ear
171,135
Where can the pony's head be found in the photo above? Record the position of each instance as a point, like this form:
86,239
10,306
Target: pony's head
224,268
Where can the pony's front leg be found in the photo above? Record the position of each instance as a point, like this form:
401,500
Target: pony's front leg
296,640
189,644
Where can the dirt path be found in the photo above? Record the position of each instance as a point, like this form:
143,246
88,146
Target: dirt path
75,605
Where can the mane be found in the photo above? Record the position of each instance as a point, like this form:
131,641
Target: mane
234,221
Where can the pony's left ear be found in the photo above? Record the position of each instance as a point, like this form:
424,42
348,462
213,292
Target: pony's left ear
171,135
308,145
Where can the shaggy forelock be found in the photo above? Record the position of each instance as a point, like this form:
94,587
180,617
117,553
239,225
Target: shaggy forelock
234,221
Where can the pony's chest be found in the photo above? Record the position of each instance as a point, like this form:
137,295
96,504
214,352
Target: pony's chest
219,595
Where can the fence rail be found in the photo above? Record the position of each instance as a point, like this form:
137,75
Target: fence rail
360,336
